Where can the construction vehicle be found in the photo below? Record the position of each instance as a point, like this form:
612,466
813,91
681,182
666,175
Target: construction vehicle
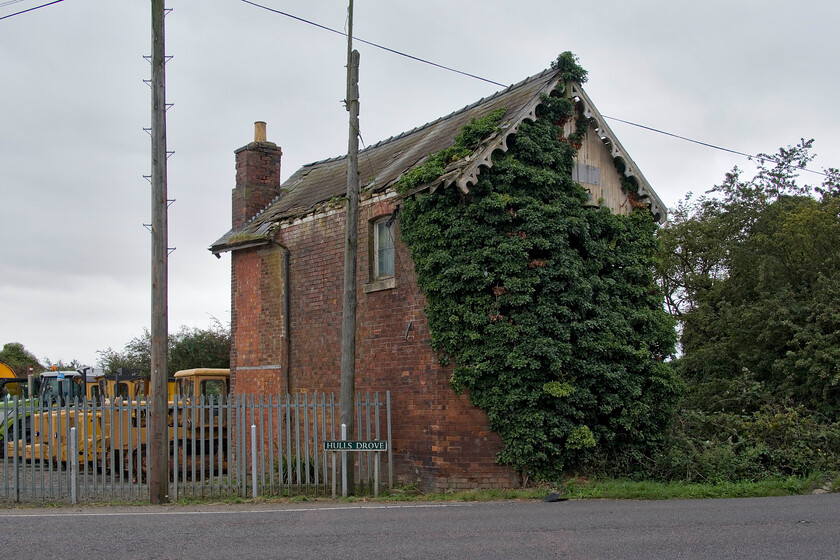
52,388
207,382
15,389
6,372
126,384
112,432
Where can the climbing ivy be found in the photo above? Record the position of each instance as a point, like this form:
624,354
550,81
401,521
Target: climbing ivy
570,70
546,308
465,143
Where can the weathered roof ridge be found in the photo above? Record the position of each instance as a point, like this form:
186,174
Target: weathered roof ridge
464,173
421,127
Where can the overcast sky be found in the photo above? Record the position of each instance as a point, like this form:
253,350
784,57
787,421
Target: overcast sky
75,258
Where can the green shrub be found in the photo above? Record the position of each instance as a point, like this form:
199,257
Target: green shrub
774,441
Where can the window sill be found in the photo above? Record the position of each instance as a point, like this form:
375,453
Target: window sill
381,284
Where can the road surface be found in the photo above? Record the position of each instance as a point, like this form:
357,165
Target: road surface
806,527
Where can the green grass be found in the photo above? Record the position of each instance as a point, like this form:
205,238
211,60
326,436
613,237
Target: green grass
646,490
585,489
400,495
575,489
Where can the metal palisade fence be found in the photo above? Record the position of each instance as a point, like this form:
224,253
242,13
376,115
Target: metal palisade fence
242,445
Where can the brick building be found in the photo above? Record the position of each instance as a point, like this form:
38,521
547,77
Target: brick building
287,274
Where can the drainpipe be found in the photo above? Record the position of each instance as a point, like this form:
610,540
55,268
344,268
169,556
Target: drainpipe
287,309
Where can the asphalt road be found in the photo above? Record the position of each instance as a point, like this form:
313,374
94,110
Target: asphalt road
806,527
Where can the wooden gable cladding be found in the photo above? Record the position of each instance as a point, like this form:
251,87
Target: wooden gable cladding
596,172
601,144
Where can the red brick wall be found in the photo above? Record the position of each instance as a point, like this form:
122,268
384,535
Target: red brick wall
257,322
439,440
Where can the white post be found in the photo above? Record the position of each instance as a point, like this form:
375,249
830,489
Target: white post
376,475
254,460
344,462
73,459
334,482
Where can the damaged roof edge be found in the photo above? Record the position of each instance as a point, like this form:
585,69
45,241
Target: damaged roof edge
219,248
467,175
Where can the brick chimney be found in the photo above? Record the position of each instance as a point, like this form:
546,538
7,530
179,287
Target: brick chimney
257,176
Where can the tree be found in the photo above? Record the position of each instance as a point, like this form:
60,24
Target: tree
61,365
188,348
752,272
20,359
136,354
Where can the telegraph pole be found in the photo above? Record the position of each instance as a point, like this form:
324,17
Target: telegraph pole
158,463
346,400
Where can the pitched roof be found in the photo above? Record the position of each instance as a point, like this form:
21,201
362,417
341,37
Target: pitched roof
382,164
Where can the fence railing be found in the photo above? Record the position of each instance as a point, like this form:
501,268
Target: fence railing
266,445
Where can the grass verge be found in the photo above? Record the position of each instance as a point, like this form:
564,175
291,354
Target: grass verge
647,490
575,489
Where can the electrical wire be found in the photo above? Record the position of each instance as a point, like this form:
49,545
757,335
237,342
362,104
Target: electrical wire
10,2
418,59
338,32
30,9
713,146
442,67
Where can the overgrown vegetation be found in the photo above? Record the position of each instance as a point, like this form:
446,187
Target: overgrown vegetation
751,272
547,309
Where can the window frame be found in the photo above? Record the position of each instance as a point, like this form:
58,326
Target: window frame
378,225
376,280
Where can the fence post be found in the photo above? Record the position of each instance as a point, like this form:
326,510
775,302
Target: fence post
73,459
376,475
390,447
343,463
254,460
18,449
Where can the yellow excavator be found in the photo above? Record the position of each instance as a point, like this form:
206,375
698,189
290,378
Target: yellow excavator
6,372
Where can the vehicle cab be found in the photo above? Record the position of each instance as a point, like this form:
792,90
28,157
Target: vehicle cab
59,387
207,382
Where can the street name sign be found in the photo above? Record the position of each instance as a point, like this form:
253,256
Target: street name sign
355,445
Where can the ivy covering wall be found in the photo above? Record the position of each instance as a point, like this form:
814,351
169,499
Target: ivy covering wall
547,309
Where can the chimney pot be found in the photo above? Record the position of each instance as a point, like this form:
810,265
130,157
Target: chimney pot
259,131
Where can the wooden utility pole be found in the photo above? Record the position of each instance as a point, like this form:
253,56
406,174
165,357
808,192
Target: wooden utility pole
346,399
158,463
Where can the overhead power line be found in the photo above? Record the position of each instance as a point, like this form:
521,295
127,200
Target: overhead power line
706,144
342,33
680,137
30,9
441,66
